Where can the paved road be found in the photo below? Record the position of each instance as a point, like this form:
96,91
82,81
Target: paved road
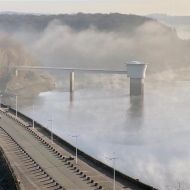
54,167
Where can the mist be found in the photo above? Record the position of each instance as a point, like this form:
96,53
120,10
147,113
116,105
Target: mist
151,137
180,23
184,31
60,45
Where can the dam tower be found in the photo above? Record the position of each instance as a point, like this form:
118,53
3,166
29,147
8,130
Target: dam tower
136,72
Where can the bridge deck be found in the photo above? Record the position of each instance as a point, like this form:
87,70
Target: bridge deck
35,68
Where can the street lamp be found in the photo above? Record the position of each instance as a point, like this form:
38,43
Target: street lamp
51,127
76,143
16,99
113,158
177,189
0,100
33,107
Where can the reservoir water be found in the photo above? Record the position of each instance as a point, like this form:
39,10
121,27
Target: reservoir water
150,136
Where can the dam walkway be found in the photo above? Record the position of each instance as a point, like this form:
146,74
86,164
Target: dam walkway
38,164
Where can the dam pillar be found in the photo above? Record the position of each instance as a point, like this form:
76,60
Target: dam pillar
136,72
72,82
136,86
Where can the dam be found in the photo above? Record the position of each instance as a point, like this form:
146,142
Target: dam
135,71
38,164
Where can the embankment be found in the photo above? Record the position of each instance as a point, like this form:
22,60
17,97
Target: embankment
7,177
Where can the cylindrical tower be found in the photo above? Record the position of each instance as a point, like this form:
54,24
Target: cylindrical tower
136,72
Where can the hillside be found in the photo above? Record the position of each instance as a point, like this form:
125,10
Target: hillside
78,22
180,23
13,53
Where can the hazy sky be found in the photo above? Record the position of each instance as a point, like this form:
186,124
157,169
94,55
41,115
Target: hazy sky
141,7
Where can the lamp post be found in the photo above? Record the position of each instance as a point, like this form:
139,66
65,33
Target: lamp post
16,99
113,158
33,107
51,127
177,189
179,186
0,100
76,143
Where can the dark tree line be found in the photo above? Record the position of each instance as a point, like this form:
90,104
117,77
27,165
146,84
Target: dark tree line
80,21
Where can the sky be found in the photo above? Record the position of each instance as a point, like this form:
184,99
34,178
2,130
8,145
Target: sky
139,7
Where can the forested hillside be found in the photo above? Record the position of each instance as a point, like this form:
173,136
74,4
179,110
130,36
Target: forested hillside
80,21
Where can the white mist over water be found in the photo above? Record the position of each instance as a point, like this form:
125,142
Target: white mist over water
151,137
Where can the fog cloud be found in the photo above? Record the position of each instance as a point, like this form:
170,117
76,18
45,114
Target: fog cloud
184,31
60,45
142,143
